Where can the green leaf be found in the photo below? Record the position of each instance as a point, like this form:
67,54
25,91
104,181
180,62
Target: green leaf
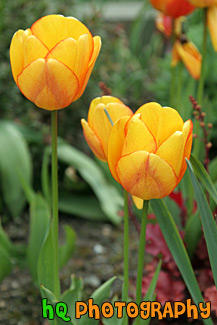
85,206
178,251
45,179
39,222
72,295
14,158
46,275
213,169
110,200
208,223
5,265
98,296
113,320
150,292
203,176
5,241
46,293
66,250
192,233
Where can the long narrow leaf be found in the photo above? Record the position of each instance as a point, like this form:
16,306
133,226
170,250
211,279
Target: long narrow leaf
150,292
39,221
204,177
5,265
98,296
14,158
208,223
192,233
178,251
110,200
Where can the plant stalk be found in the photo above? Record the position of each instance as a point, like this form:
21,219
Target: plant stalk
55,217
200,93
141,257
126,253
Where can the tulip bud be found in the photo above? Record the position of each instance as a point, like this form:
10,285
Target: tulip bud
52,61
98,127
146,152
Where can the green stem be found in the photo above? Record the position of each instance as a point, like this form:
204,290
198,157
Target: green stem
200,93
173,72
55,221
179,90
126,252
141,257
172,85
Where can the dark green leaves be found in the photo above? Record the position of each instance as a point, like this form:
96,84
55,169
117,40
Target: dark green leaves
14,160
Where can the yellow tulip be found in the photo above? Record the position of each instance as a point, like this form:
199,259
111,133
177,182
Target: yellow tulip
52,61
212,24
146,152
98,128
188,53
203,3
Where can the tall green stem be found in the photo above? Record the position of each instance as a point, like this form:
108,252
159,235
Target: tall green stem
173,72
141,257
179,90
55,217
200,92
126,253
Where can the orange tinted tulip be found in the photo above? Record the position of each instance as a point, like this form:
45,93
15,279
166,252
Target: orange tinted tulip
173,8
146,152
212,24
52,61
203,3
98,128
188,53
165,23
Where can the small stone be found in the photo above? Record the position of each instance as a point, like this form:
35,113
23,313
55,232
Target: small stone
98,249
92,280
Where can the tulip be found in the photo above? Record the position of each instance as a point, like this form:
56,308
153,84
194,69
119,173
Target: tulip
173,8
203,3
165,23
98,128
212,24
52,61
188,53
146,152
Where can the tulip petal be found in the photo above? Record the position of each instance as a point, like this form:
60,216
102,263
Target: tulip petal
33,49
211,22
93,141
175,55
172,151
162,121
85,52
100,100
117,110
115,144
102,127
138,137
138,202
97,46
203,3
146,175
52,29
66,51
187,133
17,51
48,83
191,58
